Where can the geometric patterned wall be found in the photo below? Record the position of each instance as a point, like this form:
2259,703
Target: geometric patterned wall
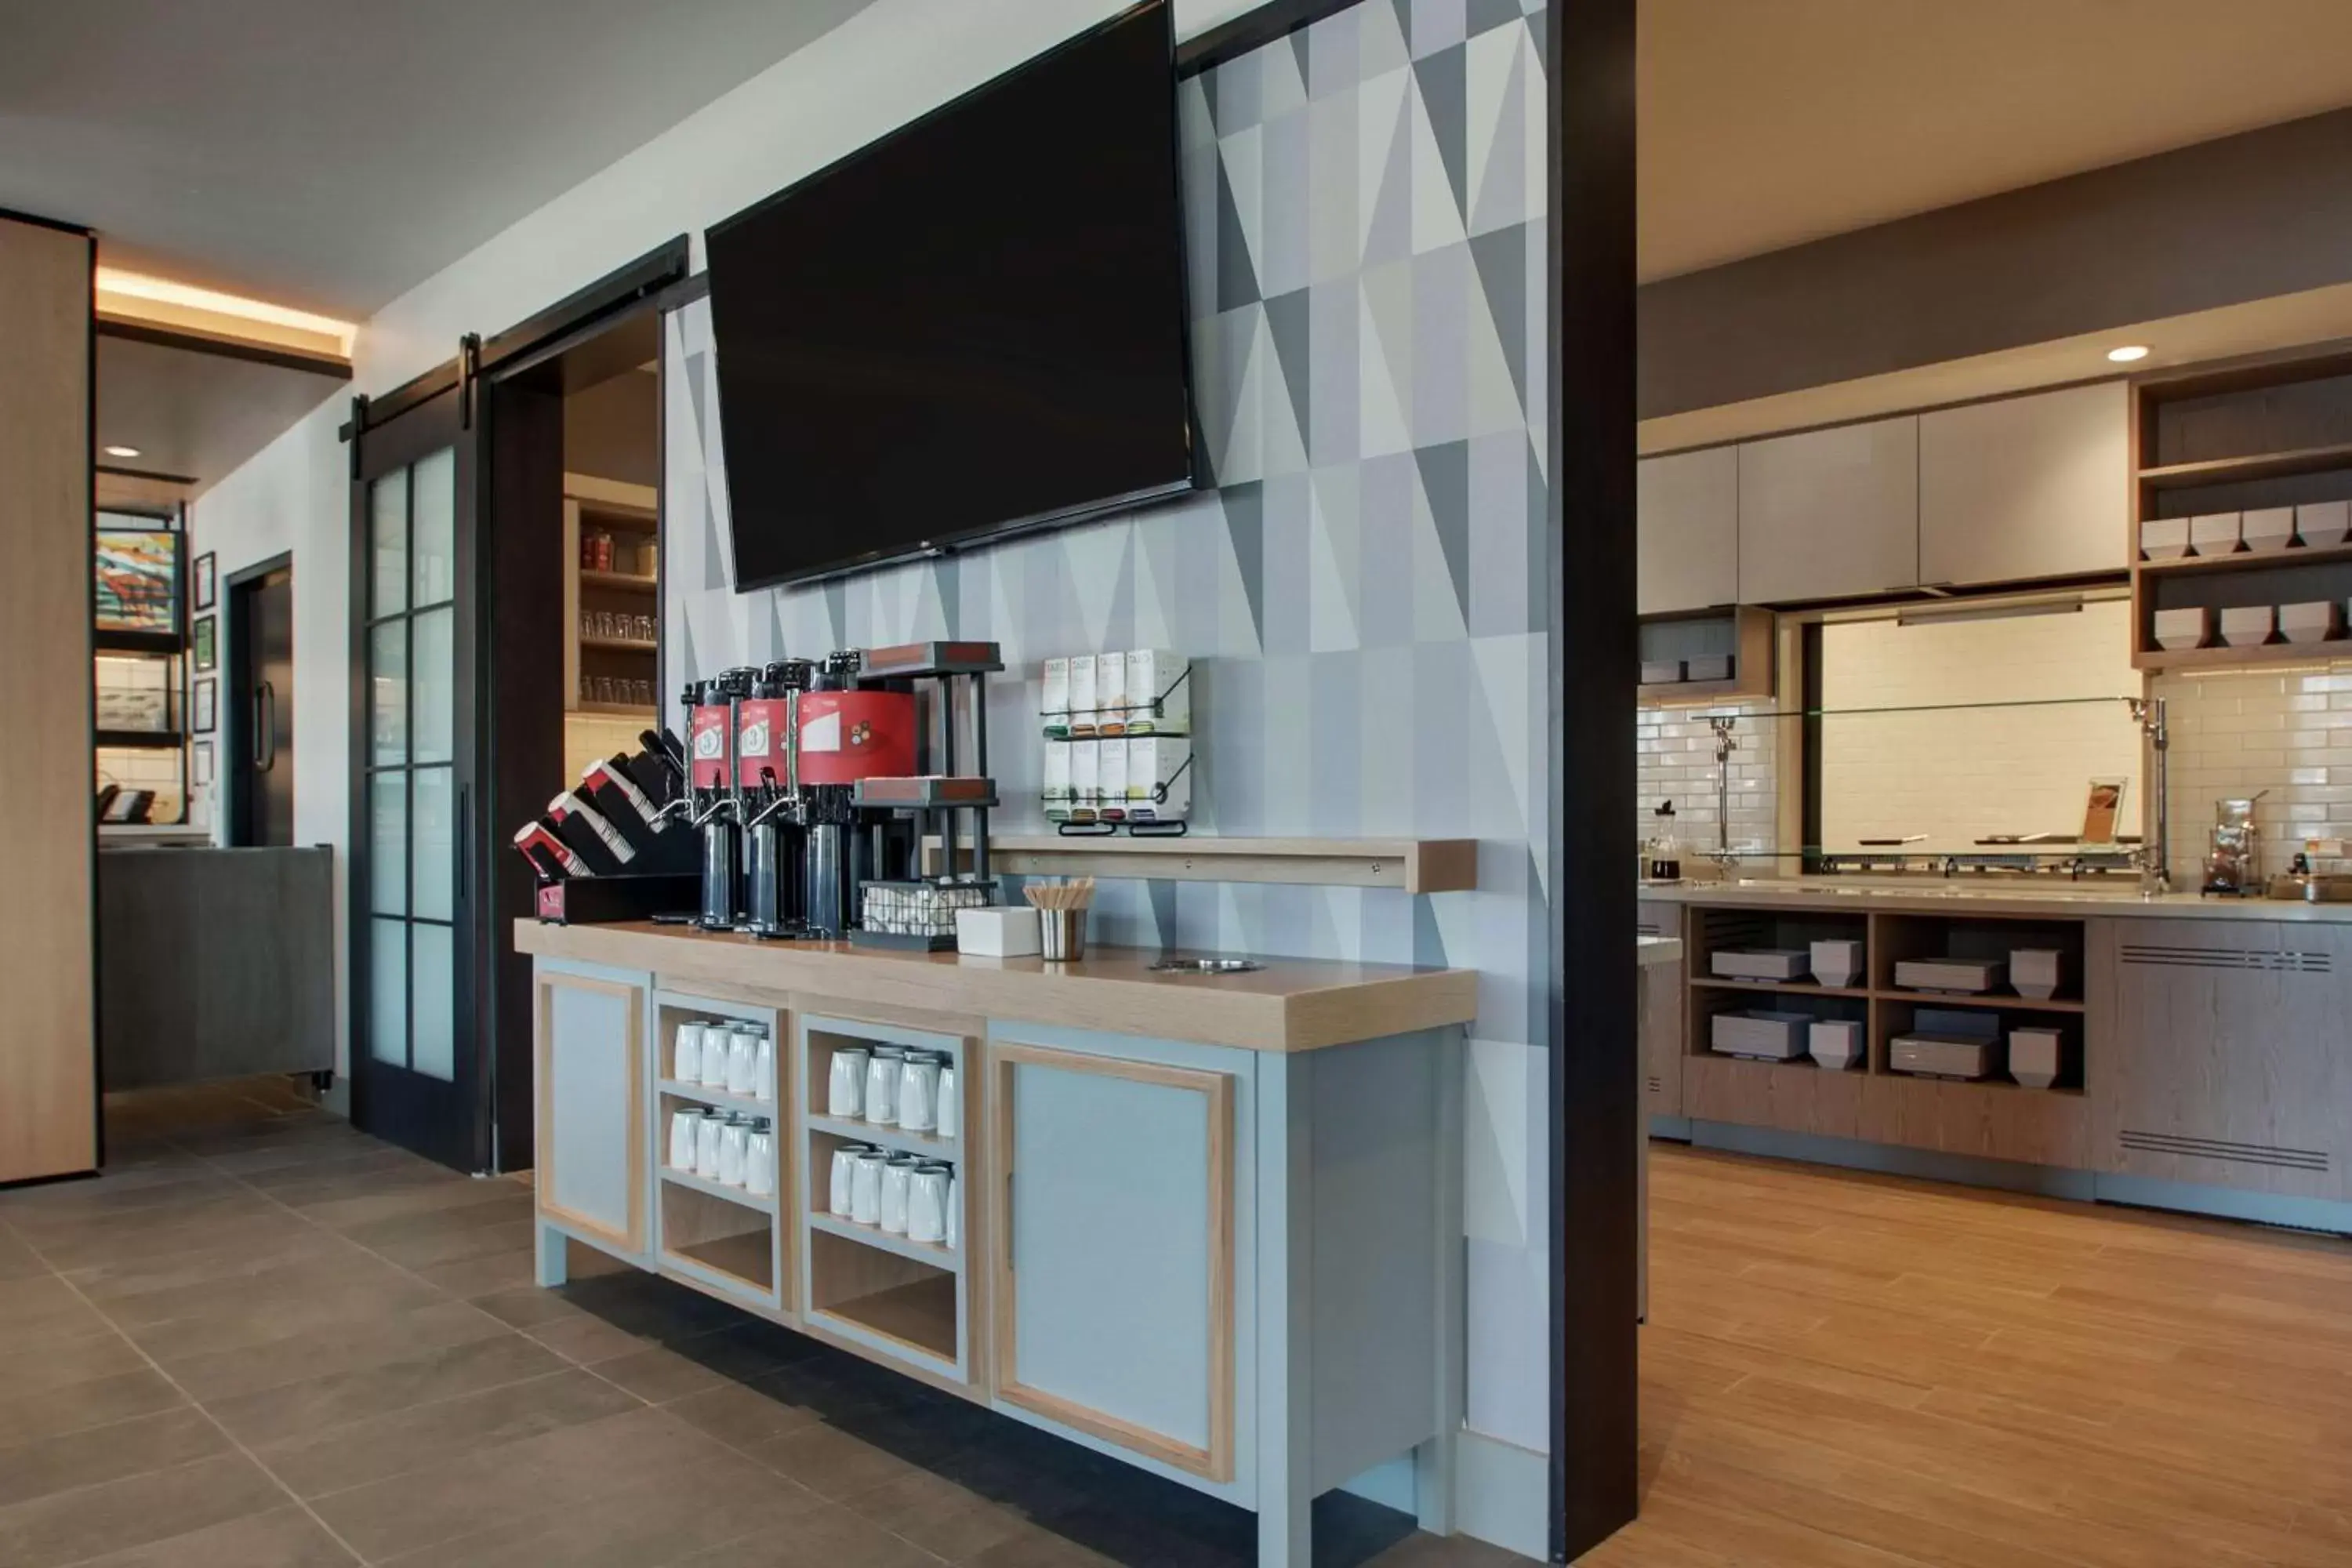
1361,593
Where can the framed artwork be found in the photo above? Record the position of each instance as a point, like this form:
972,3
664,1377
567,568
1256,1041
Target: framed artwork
203,711
207,645
200,764
138,580
207,580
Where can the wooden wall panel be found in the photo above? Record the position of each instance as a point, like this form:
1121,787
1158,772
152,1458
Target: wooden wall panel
49,1123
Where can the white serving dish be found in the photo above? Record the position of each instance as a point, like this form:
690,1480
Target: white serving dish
1837,961
2035,1056
2164,538
2037,971
1972,976
998,932
2321,523
1662,672
1765,1034
2186,628
2248,625
2315,620
1761,963
1716,666
1941,1056
1834,1043
2268,531
2215,534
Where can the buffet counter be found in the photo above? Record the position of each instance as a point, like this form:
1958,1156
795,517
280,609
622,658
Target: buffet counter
1209,1225
2175,1052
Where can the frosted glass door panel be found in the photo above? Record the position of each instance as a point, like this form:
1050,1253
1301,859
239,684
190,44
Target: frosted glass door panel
388,990
433,1049
388,532
434,540
388,845
436,679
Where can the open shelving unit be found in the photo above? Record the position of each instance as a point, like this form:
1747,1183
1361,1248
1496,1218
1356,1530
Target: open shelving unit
2240,436
631,515
1995,1117
722,1240
912,1301
1741,631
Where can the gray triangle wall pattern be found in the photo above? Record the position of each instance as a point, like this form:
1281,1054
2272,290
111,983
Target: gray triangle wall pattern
1365,213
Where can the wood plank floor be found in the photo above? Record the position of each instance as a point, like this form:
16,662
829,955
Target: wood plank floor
1862,1371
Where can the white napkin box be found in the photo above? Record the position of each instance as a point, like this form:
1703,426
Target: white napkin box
2184,628
1765,1034
998,932
1835,1043
1970,975
1837,961
1762,963
2322,522
2268,531
2248,625
2164,538
2035,1056
2215,534
2037,971
1941,1056
2315,620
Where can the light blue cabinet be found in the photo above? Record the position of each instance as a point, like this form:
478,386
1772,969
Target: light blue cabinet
591,1111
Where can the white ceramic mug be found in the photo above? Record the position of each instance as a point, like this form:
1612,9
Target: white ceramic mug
845,1094
759,1160
763,1070
954,1227
865,1193
685,1056
718,1042
896,1176
843,1190
734,1150
882,1086
927,1204
919,1091
949,1112
705,1147
682,1127
743,1061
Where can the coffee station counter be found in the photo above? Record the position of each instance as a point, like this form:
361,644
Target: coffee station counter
1209,1225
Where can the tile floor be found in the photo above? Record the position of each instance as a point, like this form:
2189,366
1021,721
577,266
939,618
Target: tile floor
263,1340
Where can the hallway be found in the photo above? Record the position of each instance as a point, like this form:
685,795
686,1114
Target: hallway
263,1339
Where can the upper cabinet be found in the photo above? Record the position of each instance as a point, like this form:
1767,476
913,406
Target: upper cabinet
1688,527
2026,487
1830,514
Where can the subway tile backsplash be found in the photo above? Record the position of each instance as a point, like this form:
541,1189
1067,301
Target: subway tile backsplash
2289,733
1676,747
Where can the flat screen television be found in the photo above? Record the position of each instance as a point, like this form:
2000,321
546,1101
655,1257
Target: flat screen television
973,326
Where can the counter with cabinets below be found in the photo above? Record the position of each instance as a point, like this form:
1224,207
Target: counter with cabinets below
1211,1226
2205,1060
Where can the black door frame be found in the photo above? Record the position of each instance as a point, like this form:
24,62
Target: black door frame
235,719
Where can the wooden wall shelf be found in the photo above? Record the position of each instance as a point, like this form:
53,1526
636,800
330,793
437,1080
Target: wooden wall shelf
2259,656
2244,560
2255,465
1415,864
1748,632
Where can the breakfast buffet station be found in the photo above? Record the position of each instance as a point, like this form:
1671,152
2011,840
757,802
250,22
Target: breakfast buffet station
1114,1199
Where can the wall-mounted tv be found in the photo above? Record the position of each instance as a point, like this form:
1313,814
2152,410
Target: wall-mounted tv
973,326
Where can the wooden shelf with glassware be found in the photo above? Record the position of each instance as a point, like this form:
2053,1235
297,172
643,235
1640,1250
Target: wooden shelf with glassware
612,597
2243,476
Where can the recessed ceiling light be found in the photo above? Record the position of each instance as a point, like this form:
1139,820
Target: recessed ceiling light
2128,352
121,451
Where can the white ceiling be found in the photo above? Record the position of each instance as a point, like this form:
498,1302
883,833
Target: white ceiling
193,414
328,155
1765,123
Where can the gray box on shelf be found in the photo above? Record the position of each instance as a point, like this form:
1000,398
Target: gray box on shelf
2320,524
2268,531
1761,1033
1713,667
2035,1056
1837,961
1968,975
1761,963
1941,1056
2192,626
2315,620
2248,625
1835,1043
1662,672
2037,971
2215,534
2164,538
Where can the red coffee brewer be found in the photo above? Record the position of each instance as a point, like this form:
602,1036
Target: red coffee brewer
712,802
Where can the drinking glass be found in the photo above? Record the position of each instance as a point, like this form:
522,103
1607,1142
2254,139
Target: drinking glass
846,1084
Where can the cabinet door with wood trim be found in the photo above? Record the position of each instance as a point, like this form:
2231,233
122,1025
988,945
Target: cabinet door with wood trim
2022,487
1830,514
591,1173
1687,525
2222,1059
1114,1293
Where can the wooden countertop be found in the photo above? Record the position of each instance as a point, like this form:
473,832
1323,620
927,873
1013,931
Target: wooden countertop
1291,1004
2064,901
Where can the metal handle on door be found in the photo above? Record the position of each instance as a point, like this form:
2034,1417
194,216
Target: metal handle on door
465,842
265,724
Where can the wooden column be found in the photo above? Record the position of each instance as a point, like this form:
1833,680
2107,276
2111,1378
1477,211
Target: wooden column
49,1094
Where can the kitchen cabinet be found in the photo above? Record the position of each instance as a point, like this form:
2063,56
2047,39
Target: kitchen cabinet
2224,1060
1687,531
1114,1283
591,1080
1830,514
2023,487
